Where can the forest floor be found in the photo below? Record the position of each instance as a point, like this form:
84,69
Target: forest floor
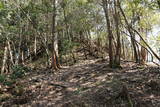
89,83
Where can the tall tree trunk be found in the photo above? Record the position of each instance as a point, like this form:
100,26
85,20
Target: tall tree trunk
130,32
118,47
55,64
110,35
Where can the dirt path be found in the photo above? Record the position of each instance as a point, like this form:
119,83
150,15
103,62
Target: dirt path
91,84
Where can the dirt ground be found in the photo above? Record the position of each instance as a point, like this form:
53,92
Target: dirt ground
89,83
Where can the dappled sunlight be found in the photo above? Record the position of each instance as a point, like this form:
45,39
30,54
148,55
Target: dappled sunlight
79,53
89,82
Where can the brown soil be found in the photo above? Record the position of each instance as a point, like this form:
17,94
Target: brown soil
90,83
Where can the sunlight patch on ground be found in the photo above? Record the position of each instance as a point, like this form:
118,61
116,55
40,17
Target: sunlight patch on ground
132,71
65,67
88,84
85,62
102,78
72,89
74,80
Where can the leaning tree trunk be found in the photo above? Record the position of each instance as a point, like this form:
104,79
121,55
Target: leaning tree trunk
130,32
130,28
147,45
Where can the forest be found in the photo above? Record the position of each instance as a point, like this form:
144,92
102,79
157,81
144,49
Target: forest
79,53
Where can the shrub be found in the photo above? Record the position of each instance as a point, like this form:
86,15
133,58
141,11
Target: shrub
5,80
66,46
19,71
2,78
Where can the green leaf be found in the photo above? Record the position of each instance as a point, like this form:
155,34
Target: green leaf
1,5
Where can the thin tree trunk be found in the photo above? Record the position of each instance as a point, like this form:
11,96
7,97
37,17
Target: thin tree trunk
4,59
10,52
146,44
130,32
84,51
148,50
130,28
47,50
18,53
135,53
123,46
143,55
22,57
35,46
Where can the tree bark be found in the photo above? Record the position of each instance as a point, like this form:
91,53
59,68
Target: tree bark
35,46
130,32
123,48
55,64
118,47
146,44
110,35
4,59
10,51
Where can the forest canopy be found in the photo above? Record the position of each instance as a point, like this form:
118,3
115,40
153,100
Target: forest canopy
27,23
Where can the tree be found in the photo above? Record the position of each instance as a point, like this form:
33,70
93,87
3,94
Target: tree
55,63
114,48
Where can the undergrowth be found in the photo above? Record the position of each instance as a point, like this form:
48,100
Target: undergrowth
18,71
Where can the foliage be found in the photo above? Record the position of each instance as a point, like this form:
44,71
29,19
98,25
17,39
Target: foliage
20,68
2,78
19,71
66,46
22,21
5,80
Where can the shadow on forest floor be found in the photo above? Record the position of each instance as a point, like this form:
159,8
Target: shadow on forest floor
90,83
